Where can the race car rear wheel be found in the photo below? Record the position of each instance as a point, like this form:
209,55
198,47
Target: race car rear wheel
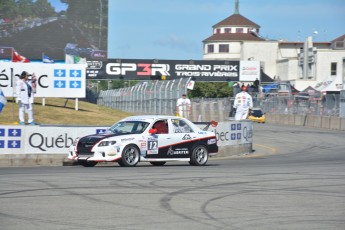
130,156
199,156
158,163
87,163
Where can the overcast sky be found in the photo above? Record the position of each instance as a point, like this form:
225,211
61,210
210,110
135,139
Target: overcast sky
175,29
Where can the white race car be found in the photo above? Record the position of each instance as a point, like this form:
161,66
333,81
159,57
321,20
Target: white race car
150,138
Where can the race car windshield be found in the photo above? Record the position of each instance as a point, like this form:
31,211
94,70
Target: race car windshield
129,127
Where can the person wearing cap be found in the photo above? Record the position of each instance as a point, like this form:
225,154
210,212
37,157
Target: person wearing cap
242,104
183,106
25,98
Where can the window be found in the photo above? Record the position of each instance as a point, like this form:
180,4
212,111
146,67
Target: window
333,68
239,30
210,48
224,48
181,127
217,31
227,30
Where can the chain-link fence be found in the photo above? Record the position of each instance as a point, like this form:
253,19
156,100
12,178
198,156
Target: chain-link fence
159,97
327,105
152,97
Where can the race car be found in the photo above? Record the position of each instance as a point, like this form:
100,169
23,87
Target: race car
150,138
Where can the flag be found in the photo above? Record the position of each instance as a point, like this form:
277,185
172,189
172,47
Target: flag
47,59
16,57
79,60
72,59
191,85
3,100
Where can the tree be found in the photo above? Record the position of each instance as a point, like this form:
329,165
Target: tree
211,90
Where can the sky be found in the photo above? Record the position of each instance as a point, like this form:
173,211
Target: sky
175,29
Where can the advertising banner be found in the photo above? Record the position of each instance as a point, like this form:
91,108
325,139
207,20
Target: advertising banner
52,80
198,70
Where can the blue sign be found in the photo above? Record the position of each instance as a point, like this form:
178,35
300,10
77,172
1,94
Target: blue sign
99,131
59,73
60,84
2,144
75,84
13,144
14,132
75,73
2,132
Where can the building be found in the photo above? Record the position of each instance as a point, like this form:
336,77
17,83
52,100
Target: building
302,63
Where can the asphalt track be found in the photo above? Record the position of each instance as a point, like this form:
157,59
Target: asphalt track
295,179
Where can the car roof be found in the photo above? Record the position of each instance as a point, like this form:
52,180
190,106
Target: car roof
151,117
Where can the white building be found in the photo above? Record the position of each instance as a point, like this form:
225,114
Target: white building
238,38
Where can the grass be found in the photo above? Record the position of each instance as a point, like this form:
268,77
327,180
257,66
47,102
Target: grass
56,113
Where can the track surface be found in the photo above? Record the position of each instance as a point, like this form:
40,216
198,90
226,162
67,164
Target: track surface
295,179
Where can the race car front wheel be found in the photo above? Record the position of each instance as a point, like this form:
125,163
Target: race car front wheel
130,156
199,156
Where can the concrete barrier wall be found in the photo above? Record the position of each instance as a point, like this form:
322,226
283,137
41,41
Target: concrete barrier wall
325,122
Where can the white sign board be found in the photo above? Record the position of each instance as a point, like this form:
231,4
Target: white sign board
249,70
53,80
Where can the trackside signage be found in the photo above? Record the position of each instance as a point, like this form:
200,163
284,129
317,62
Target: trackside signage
202,70
52,80
56,140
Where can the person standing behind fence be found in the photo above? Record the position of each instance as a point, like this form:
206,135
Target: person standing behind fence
236,88
183,107
25,98
242,104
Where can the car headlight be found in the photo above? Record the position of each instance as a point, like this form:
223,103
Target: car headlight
106,143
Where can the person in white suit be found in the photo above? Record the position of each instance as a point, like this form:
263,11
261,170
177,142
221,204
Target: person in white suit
183,107
242,104
25,98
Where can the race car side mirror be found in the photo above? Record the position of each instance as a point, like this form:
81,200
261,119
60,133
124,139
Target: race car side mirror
152,131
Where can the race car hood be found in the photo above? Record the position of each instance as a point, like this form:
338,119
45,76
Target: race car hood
86,143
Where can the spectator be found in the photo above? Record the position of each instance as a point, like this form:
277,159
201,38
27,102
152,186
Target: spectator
236,88
242,104
256,83
3,100
25,98
183,107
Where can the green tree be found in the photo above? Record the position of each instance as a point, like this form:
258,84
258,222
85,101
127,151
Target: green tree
43,9
8,9
211,90
25,8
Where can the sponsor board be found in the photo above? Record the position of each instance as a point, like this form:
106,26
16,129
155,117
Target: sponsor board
202,70
53,80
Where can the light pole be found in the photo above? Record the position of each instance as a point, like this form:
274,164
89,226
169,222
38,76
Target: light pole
100,23
98,86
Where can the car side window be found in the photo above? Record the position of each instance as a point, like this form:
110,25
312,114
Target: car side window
161,126
180,126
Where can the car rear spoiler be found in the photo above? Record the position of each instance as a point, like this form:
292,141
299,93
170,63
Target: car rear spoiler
205,125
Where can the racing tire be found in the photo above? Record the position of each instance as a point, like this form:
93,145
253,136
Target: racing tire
130,156
87,163
199,156
158,163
